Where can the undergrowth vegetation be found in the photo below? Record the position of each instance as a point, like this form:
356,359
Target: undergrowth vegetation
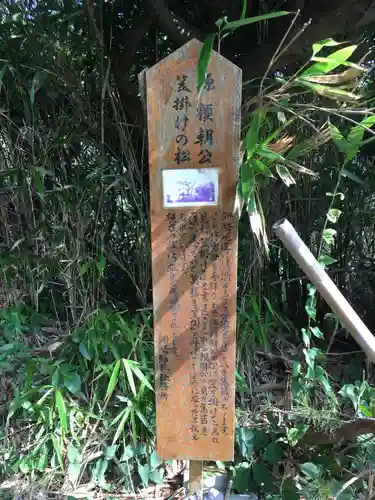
77,403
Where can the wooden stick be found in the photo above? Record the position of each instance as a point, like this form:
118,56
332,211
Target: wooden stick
196,478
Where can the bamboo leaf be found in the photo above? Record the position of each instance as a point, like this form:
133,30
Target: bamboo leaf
256,19
121,426
61,409
336,79
259,167
285,175
328,42
37,83
252,135
247,180
244,9
299,168
331,92
352,176
330,62
204,61
140,375
129,375
58,451
142,418
144,473
338,138
113,380
355,136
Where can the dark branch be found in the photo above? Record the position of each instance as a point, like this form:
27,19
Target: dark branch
338,22
174,26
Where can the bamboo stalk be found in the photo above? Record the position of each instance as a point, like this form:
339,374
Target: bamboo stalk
323,283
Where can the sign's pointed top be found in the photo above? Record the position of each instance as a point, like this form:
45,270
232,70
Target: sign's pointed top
191,50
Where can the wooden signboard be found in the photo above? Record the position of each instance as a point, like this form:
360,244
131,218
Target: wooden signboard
193,157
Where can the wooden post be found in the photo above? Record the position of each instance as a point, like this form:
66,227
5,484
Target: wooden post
193,157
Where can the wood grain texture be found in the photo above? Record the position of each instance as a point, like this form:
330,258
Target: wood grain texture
194,252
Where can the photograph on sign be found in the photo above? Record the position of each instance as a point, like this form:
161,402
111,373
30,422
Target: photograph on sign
190,187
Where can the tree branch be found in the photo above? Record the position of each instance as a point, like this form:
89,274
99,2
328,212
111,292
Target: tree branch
349,430
174,26
339,21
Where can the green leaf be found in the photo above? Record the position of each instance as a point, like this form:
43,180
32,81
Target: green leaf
221,21
73,453
84,268
250,20
220,465
285,175
273,453
128,453
61,410
58,451
328,91
289,490
144,473
310,307
306,337
355,136
142,418
366,411
271,155
316,331
350,391
296,433
321,375
330,62
129,375
310,469
6,347
204,60
333,215
157,476
241,477
101,264
328,42
113,380
261,168
245,441
247,180
74,469
38,179
155,461
352,176
98,473
261,440
243,14
110,452
252,134
37,83
121,426
329,236
311,355
326,260
84,352
72,381
262,475
140,375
